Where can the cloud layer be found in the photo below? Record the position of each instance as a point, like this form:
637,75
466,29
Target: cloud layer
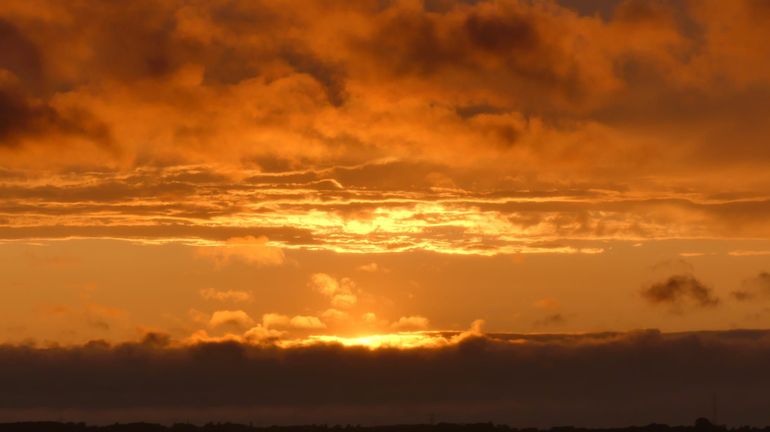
451,126
526,380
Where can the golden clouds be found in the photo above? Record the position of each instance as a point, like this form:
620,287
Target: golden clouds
260,333
236,318
343,317
244,216
414,322
483,128
341,292
306,322
275,320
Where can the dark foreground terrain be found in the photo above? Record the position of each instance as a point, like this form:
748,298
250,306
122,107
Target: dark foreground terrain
701,425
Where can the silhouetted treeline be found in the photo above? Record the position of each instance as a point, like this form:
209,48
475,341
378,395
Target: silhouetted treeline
701,425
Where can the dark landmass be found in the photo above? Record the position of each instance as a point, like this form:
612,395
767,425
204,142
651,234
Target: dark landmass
701,425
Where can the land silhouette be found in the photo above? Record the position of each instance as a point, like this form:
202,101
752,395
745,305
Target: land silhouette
700,425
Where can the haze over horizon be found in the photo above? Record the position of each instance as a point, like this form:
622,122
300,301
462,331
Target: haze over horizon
518,210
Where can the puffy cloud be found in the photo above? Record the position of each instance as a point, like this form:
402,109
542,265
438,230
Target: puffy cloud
324,284
413,322
344,300
306,322
237,318
340,292
227,295
679,288
260,333
203,337
270,320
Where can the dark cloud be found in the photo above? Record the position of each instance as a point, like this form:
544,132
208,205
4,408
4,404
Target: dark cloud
511,48
551,320
680,288
542,61
20,55
602,8
331,77
524,380
22,117
756,287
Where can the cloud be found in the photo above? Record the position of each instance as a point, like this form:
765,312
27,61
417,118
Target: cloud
519,379
500,80
305,322
198,317
335,315
324,284
340,292
101,317
371,267
228,295
344,300
25,119
753,288
413,322
270,320
260,333
547,303
679,288
748,253
178,204
555,319
237,318
249,249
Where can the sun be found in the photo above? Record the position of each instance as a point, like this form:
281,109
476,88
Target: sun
400,340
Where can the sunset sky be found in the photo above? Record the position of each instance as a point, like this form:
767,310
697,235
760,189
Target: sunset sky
568,183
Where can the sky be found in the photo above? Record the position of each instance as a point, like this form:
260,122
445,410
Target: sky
534,205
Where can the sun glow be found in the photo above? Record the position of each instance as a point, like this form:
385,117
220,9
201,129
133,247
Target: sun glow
399,340
404,340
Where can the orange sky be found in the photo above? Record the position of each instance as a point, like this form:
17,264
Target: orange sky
535,165
195,167
293,173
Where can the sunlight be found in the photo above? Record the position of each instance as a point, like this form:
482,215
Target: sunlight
401,340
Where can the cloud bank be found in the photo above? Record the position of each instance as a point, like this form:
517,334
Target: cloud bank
591,379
